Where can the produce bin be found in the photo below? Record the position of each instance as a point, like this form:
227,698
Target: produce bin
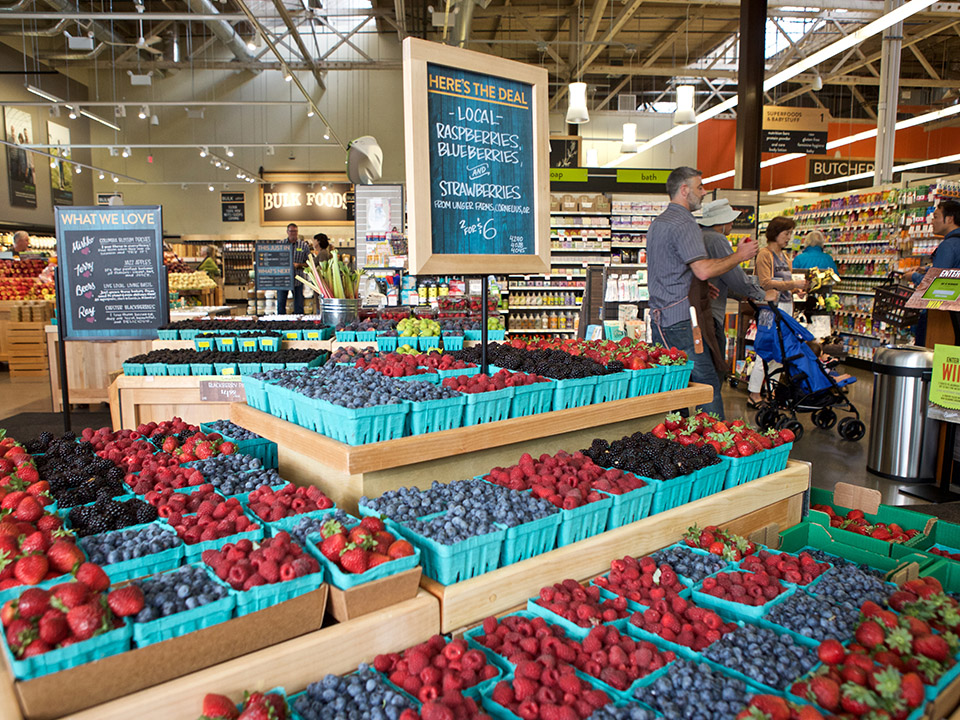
365,425
630,506
611,387
645,382
532,399
709,481
529,539
449,564
436,415
573,393
491,406
583,522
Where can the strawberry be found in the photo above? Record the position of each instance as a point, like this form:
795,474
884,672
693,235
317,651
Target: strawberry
87,620
787,435
659,431
932,646
857,700
28,509
334,546
912,690
744,448
69,595
31,569
399,549
53,627
19,634
33,603
126,601
354,559
825,692
93,577
218,707
64,556
774,707
870,634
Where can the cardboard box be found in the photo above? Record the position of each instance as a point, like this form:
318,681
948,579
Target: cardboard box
554,203
372,596
588,203
568,203
85,686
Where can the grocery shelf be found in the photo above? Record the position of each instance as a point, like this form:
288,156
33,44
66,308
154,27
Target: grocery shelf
542,331
775,498
544,307
854,292
629,246
821,212
871,278
853,313
629,229
581,227
580,250
860,334
862,242
576,212
545,287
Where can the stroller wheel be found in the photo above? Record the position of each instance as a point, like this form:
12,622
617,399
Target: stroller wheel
824,418
851,429
796,426
767,418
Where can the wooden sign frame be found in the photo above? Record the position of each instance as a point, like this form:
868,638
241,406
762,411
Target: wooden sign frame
416,54
270,178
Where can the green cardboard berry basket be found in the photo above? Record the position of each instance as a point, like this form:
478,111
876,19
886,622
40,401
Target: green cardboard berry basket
192,553
226,343
267,343
468,371
344,581
575,392
273,527
583,522
261,597
630,506
453,342
188,621
291,334
133,369
145,564
775,459
201,368
532,399
493,658
530,539
250,344
261,448
428,342
225,369
96,648
436,415
204,343
249,368
387,344
178,369
346,336
611,387
359,426
491,406
733,609
671,493
449,564
569,627
157,369
709,480
645,382
676,377
167,334
256,392
188,334
741,470
323,332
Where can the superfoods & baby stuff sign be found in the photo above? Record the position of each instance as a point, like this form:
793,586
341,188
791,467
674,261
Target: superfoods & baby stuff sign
481,163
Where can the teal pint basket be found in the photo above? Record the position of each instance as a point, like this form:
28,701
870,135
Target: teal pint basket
569,627
255,390
473,335
310,414
428,343
269,344
645,382
205,343
179,369
281,402
468,372
775,459
631,506
346,336
496,335
295,366
676,377
133,369
532,399
261,597
291,334
188,621
452,342
449,564
572,393
249,344
485,407
365,425
709,480
155,369
740,611
145,565
611,387
320,333
671,493
436,415
188,334
267,367
201,368
168,334
226,344
583,522
366,335
345,581
387,344
741,470
249,368
96,648
226,369
530,539
192,553
261,448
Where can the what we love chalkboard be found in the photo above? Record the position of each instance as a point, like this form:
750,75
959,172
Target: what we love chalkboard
477,173
112,280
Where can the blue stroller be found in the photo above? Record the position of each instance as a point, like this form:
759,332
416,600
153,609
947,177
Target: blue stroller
801,383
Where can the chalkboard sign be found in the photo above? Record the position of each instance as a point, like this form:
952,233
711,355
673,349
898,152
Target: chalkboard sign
232,207
113,283
324,201
476,131
273,266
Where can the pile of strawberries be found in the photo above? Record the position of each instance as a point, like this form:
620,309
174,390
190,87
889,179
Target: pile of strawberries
799,569
213,523
244,565
566,481
394,365
641,580
255,706
167,501
774,707
581,605
17,467
445,361
158,478
363,547
634,354
272,505
681,621
735,439
727,545
746,588
549,694
436,668
199,446
485,383
852,682
944,553
34,551
855,521
43,620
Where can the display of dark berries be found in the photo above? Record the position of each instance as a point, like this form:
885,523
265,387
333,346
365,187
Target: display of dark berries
649,456
689,563
122,545
839,562
39,444
236,474
762,655
695,691
456,525
363,695
311,524
76,474
628,711
181,357
107,514
549,363
852,586
815,617
229,325
232,430
173,592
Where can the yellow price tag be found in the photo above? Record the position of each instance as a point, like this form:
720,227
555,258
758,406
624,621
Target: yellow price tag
227,371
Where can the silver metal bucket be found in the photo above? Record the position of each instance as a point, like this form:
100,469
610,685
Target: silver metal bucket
336,311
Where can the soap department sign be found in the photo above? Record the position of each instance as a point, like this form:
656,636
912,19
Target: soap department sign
477,173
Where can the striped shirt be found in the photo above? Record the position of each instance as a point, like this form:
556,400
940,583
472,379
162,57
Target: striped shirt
300,251
674,240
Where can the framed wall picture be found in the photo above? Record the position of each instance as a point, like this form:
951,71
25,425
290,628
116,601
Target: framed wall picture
477,139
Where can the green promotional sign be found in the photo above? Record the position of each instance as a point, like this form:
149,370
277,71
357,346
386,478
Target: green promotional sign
945,383
568,175
944,289
628,175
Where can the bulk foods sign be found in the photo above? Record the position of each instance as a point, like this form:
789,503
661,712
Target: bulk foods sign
306,203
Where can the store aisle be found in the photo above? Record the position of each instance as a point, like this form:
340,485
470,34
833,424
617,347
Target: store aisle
17,396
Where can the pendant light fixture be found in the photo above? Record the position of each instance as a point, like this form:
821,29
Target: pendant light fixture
577,112
629,144
685,114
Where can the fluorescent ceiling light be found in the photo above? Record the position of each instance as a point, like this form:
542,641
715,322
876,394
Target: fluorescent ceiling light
97,118
864,175
53,98
43,93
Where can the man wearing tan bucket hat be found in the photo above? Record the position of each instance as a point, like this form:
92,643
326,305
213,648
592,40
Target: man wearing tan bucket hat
716,223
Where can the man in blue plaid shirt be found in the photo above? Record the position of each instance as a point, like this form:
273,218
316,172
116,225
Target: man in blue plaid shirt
301,248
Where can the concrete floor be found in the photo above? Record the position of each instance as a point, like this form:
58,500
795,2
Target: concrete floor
833,459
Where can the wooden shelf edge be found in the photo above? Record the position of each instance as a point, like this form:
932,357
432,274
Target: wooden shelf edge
469,602
410,450
293,664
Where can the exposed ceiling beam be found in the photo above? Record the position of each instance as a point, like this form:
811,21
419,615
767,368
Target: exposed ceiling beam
665,41
613,93
924,62
535,36
863,102
625,14
593,23
325,65
298,41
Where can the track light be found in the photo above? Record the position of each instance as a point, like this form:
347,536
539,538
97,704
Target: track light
114,151
120,111
218,163
73,112
126,152
226,167
817,83
116,179
252,43
154,120
228,151
101,176
204,151
287,76
210,188
144,112
326,133
310,112
270,150
77,169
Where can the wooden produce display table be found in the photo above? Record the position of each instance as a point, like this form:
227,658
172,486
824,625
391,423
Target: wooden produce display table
293,664
89,364
776,498
347,472
144,398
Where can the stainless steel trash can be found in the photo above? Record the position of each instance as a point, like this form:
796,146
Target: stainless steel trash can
903,440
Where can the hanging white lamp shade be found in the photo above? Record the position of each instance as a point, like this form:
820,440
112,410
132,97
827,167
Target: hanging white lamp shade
629,144
685,114
593,159
577,113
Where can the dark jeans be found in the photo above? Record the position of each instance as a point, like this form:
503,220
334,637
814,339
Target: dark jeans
297,300
680,336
